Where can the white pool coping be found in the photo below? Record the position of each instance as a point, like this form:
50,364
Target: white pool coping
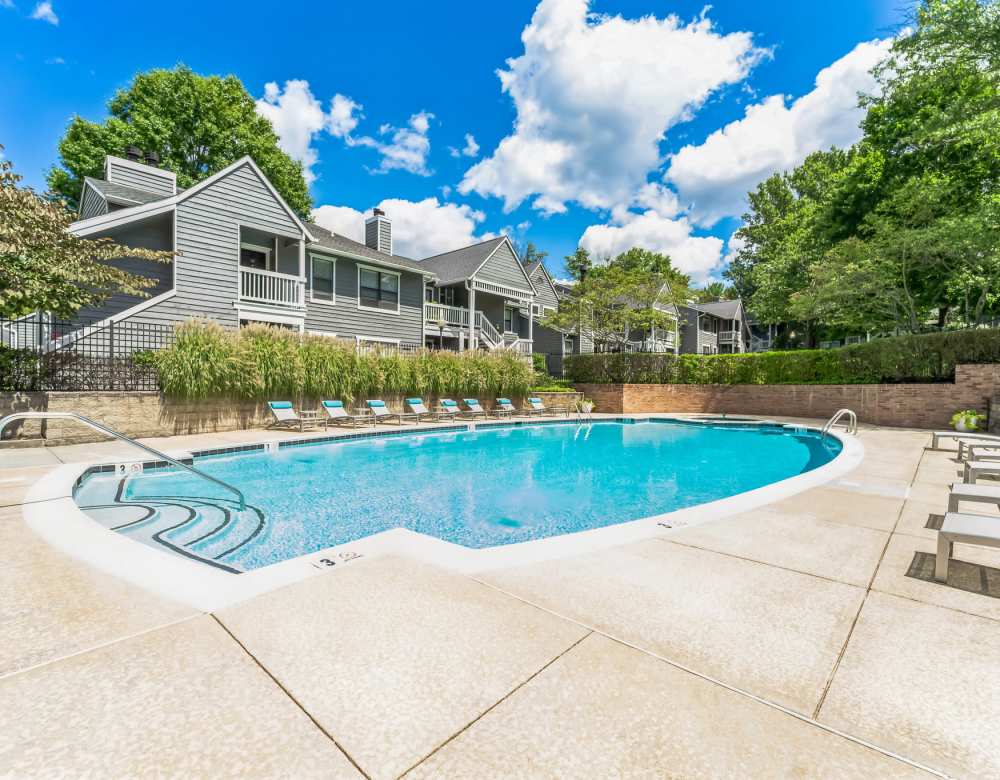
51,511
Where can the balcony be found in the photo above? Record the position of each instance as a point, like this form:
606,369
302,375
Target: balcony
451,316
272,288
729,337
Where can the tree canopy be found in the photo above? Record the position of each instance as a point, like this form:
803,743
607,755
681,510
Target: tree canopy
197,124
903,229
632,292
43,267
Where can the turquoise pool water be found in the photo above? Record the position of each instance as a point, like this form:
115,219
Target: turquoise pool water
494,486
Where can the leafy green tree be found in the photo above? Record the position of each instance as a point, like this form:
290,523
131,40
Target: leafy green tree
714,291
197,124
532,255
633,292
579,263
45,268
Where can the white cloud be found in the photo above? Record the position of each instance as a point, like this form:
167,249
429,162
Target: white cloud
716,175
471,148
419,228
694,255
407,148
7,4
594,96
55,61
44,12
298,117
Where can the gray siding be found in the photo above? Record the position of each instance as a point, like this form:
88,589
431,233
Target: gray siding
546,292
345,318
503,268
150,234
208,236
150,180
93,205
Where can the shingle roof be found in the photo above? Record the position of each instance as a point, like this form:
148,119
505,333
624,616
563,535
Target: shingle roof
461,263
530,268
338,243
727,310
120,193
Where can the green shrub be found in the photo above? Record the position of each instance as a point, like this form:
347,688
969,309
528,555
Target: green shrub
924,358
19,369
263,363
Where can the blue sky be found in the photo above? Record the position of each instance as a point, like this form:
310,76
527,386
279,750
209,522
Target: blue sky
621,122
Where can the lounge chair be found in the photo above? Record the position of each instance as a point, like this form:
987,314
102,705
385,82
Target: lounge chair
539,406
978,451
504,404
335,413
981,530
448,407
285,415
380,413
474,409
978,468
983,494
416,406
962,438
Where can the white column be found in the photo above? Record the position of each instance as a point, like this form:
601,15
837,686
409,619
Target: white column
531,322
472,315
302,271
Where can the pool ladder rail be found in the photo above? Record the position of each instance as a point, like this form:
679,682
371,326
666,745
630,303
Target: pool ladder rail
851,425
100,428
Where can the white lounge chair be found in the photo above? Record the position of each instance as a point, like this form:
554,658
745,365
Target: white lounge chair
474,409
380,413
539,406
983,494
961,438
284,415
417,408
448,407
979,468
981,530
337,414
979,451
505,405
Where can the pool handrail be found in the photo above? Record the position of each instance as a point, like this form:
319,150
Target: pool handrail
852,422
101,428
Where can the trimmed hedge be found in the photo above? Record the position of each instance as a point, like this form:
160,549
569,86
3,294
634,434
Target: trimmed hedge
263,363
923,358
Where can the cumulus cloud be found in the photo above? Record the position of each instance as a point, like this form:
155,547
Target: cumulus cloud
407,147
298,118
594,96
419,228
698,256
471,148
44,12
715,176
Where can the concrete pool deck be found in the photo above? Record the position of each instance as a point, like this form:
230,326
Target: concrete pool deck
803,638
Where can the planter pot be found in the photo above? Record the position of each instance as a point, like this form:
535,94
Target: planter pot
961,426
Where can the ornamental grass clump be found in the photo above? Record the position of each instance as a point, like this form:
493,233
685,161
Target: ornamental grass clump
262,363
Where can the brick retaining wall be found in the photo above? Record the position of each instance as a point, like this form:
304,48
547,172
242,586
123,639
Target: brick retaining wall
903,405
138,414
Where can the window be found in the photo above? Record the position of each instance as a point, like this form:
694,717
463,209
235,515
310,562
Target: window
321,282
443,295
258,257
378,289
536,309
508,319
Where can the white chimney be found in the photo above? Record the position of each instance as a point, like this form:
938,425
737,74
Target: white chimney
378,232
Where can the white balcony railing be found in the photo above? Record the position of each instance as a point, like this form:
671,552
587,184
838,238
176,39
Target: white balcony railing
449,315
729,336
273,288
489,334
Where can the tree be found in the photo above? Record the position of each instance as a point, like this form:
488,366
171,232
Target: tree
578,263
197,124
45,268
633,292
532,255
714,291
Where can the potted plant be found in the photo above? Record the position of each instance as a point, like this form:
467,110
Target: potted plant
966,420
586,406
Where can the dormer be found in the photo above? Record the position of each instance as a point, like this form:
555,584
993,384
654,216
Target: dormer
141,172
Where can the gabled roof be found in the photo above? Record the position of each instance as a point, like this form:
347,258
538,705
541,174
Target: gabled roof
120,194
460,264
727,310
143,210
326,239
530,268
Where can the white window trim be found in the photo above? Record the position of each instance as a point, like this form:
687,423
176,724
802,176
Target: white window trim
255,315
333,261
399,289
377,340
324,333
271,261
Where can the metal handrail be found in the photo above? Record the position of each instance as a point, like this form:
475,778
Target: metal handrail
852,421
4,422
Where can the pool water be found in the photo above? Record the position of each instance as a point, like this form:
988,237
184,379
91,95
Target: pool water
493,486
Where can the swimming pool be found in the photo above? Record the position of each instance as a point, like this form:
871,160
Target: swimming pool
495,485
